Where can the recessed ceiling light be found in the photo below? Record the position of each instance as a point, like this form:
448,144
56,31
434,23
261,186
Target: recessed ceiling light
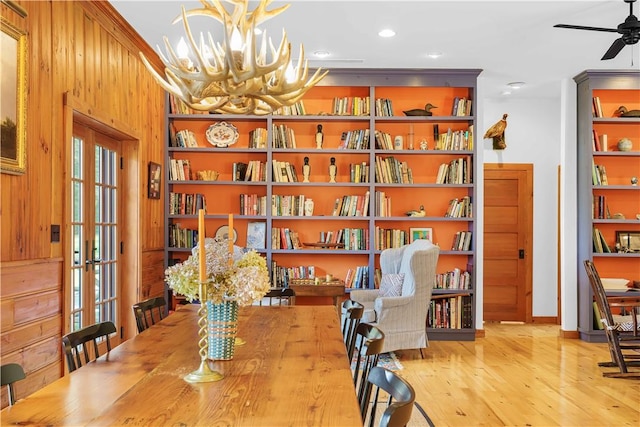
321,53
257,31
434,55
516,85
505,92
387,33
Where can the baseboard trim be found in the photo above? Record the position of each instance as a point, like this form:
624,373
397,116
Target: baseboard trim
574,335
545,319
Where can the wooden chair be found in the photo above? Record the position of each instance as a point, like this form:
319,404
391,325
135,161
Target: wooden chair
144,312
622,332
351,315
9,374
367,349
74,343
399,403
285,296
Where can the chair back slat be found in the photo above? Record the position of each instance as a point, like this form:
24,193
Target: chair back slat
9,374
352,312
400,401
284,296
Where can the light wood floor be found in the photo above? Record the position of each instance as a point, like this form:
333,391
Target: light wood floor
520,375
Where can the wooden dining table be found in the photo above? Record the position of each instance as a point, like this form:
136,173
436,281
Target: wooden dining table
292,371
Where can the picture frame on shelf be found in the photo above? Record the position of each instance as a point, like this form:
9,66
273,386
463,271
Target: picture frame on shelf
628,241
420,233
155,176
13,156
256,235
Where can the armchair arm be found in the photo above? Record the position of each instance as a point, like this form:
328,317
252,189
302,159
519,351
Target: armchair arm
391,312
364,295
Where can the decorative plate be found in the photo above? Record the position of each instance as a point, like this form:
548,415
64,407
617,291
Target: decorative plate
223,233
222,134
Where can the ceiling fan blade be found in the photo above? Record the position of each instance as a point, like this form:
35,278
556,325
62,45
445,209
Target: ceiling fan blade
615,48
580,27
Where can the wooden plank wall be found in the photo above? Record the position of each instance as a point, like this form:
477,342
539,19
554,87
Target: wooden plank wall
87,50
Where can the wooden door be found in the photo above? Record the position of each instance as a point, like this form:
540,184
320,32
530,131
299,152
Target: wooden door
508,231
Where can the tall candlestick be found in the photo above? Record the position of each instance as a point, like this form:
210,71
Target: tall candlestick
201,252
231,235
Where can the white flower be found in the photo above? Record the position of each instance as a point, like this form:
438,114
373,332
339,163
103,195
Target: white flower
243,277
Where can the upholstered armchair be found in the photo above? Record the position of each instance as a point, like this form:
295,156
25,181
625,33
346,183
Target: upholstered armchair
403,318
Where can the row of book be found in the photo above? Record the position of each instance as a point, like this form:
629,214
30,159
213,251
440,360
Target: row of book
252,204
283,136
386,238
179,170
182,237
284,171
358,172
461,107
357,139
281,276
357,278
383,140
461,241
460,208
454,279
382,204
185,138
176,106
296,109
287,205
390,170
457,171
351,205
454,312
599,175
455,140
258,138
186,203
599,142
597,107
599,243
254,171
284,238
600,207
384,107
350,106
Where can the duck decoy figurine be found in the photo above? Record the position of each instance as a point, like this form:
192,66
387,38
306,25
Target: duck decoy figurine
419,112
496,132
420,212
623,112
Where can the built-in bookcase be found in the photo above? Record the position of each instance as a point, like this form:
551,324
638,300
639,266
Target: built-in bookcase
608,202
372,136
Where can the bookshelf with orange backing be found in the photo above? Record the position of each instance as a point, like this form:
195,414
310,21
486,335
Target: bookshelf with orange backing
406,89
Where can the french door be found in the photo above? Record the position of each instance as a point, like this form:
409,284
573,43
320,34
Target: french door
94,229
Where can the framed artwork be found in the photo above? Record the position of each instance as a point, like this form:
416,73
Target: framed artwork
628,241
13,149
155,174
420,233
256,235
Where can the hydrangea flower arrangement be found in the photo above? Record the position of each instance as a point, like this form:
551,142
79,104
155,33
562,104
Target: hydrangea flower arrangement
244,279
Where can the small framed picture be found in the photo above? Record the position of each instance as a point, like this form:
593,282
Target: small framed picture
628,241
256,235
420,233
155,174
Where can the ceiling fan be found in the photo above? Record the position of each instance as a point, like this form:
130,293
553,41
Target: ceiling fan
630,30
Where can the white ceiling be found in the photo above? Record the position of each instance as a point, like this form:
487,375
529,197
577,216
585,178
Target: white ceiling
509,40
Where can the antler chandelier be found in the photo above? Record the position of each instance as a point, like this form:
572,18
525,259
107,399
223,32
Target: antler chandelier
233,77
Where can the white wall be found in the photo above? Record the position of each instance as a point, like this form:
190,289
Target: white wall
533,136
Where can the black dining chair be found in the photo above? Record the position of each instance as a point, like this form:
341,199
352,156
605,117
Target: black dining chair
9,374
351,315
401,397
368,347
75,347
144,312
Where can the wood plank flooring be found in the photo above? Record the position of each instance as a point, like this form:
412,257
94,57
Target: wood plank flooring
519,375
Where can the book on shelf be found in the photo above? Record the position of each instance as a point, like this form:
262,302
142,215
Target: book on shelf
597,107
239,171
454,312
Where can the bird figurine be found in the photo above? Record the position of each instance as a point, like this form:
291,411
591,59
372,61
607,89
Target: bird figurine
623,112
496,132
420,212
419,112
